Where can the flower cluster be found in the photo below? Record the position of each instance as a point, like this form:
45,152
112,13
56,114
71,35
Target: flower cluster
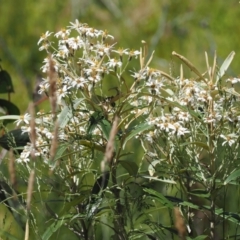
173,107
80,59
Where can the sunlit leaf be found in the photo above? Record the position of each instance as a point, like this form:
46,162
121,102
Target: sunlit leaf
189,204
200,193
106,127
10,109
159,196
9,227
64,117
165,180
225,66
231,91
12,117
59,153
233,176
51,229
152,167
137,130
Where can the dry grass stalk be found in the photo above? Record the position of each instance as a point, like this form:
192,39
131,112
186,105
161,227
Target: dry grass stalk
30,189
180,224
54,143
11,168
53,86
110,145
12,172
26,231
33,128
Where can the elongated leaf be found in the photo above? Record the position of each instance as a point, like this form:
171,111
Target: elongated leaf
165,180
232,91
225,66
92,145
9,227
200,193
7,235
160,197
12,117
68,205
233,176
189,204
50,230
189,64
130,166
202,237
77,102
101,183
152,167
106,128
60,150
198,144
10,108
64,117
184,108
138,129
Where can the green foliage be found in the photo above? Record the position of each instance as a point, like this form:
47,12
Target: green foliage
176,142
188,130
5,82
6,106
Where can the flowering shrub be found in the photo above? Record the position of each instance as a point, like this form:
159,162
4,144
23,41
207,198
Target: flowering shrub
188,130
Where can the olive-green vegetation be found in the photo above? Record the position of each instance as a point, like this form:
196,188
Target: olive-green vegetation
184,26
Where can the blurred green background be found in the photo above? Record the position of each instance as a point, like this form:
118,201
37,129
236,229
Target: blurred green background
189,27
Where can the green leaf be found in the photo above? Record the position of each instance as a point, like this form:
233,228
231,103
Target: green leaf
225,66
137,130
152,167
200,193
66,113
131,167
10,109
77,102
231,91
13,117
189,204
6,85
233,176
101,183
106,128
94,120
67,206
165,180
7,235
202,237
53,228
64,117
9,227
14,139
59,153
160,197
185,109
199,144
